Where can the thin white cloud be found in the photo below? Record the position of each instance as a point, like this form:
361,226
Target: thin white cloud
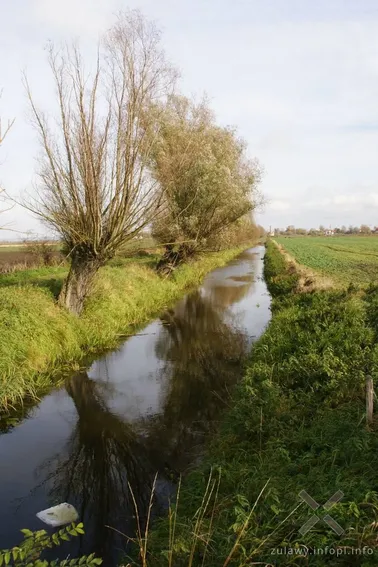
278,206
343,203
83,18
355,208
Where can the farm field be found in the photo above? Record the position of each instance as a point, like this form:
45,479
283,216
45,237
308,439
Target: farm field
14,257
345,258
32,256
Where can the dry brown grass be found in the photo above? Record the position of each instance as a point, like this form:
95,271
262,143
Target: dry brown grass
23,259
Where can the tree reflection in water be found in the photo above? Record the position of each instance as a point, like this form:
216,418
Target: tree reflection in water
104,455
203,349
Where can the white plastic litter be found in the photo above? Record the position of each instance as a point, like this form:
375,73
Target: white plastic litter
59,515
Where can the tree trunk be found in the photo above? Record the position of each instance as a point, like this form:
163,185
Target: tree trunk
78,283
171,258
168,261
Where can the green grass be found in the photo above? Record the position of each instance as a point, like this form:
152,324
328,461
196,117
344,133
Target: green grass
37,337
282,280
297,423
52,278
11,248
345,258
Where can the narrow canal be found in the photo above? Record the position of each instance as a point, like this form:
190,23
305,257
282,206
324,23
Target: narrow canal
143,409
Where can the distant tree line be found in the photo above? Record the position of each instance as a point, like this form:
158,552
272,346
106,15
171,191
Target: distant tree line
321,231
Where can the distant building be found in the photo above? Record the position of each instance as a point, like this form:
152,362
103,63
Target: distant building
329,232
271,233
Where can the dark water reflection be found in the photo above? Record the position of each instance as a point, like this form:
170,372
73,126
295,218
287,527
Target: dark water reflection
144,409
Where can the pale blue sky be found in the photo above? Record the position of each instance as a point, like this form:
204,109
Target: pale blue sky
298,78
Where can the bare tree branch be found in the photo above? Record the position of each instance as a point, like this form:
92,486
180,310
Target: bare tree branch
3,133
95,187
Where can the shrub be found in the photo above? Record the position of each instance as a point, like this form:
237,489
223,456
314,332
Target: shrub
28,553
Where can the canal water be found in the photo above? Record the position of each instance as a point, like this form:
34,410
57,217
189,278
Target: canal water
146,408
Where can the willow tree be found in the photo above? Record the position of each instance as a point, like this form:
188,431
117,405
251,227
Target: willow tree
94,188
207,179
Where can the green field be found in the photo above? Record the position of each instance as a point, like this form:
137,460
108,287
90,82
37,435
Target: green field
345,258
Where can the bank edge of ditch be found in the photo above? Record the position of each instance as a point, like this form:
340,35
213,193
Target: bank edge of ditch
39,339
297,423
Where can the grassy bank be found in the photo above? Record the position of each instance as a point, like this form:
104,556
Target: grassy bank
297,423
38,338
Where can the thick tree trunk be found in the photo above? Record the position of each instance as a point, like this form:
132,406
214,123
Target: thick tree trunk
78,283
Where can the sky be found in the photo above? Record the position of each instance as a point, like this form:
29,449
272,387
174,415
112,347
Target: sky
298,78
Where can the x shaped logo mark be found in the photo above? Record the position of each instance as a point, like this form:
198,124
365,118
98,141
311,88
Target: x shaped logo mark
311,522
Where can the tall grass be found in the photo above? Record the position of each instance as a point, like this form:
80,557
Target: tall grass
37,336
297,423
185,552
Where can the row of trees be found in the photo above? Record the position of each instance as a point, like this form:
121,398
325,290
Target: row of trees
126,152
291,229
